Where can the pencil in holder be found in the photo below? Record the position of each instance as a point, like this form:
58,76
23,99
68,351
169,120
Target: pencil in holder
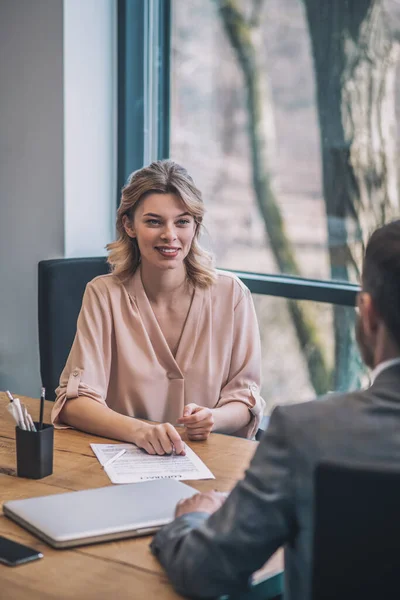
35,451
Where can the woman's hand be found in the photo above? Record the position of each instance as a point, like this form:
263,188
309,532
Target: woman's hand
198,420
159,439
207,502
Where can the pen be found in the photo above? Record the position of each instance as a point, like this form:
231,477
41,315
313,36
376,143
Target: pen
42,398
29,421
13,410
114,458
173,453
25,417
20,413
21,420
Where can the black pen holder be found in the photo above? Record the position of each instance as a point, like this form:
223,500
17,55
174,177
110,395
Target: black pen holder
35,451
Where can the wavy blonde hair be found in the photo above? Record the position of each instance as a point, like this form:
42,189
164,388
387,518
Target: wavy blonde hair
161,177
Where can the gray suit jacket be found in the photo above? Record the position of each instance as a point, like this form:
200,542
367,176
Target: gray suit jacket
272,506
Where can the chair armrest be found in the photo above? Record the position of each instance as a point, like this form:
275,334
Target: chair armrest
263,426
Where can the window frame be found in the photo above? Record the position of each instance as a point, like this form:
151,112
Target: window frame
300,288
143,85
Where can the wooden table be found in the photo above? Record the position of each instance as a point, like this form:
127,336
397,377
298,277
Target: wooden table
118,570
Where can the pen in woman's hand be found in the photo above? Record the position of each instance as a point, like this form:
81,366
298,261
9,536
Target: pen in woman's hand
174,452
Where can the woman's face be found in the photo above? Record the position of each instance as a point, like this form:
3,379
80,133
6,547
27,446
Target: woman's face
164,230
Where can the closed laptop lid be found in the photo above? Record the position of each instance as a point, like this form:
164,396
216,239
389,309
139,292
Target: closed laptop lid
100,514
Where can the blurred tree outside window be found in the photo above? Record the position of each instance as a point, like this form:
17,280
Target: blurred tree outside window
285,113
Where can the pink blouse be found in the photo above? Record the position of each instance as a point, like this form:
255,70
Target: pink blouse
120,356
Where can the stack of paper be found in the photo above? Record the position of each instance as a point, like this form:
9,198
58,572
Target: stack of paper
136,465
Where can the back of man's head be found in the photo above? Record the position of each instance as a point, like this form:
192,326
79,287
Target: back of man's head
381,276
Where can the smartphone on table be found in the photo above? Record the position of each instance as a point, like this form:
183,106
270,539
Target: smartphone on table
13,554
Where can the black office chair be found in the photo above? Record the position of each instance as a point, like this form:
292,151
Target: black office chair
356,533
356,549
62,283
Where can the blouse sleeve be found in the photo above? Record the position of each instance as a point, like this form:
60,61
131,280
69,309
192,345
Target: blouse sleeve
87,370
244,378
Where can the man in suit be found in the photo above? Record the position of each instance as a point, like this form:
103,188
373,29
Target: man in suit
214,546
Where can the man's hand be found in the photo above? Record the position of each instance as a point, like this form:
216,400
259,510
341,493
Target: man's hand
207,502
198,420
159,439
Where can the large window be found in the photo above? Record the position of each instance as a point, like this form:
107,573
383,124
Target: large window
284,112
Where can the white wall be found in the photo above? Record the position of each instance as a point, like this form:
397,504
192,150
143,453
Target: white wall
41,73
31,176
90,125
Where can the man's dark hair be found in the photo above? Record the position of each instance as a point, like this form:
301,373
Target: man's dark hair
381,275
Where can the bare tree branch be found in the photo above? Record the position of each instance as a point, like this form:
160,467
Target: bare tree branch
259,107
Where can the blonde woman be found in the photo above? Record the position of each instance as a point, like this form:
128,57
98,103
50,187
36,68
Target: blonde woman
165,337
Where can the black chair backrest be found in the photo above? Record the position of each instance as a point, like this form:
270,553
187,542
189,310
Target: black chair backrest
62,283
356,552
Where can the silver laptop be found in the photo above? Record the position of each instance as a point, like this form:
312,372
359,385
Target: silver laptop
107,513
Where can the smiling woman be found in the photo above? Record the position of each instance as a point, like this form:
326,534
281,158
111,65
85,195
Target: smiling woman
165,337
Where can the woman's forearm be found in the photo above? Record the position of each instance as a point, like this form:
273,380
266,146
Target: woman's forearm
88,415
231,417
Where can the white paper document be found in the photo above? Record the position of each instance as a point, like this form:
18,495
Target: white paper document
136,465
